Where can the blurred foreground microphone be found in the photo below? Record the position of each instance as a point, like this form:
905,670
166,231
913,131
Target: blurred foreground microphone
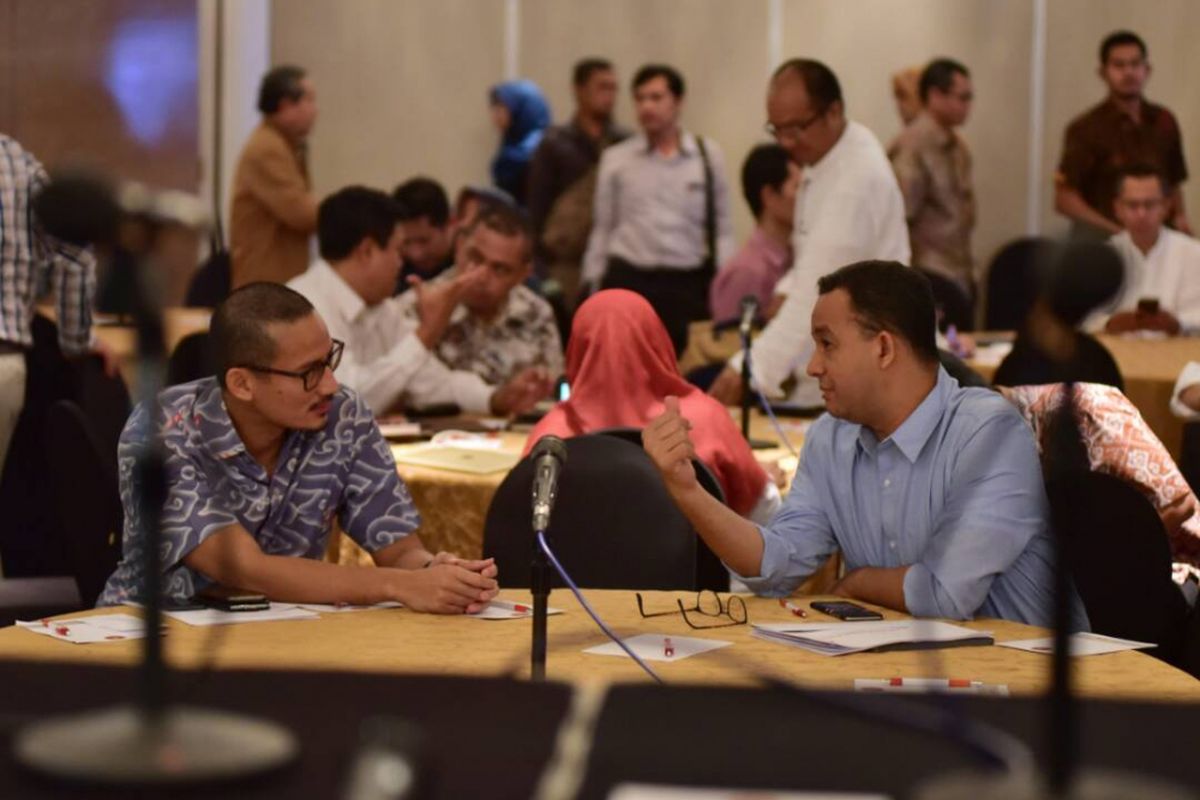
549,457
749,312
83,208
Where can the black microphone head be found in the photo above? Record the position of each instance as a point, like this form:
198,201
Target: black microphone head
1083,277
550,445
79,208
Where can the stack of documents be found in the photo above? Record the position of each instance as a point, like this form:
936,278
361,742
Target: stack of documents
840,638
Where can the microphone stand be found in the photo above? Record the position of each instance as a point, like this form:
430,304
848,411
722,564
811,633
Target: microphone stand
151,742
747,396
540,586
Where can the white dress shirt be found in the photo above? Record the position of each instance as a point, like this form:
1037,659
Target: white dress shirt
848,208
1170,272
649,209
383,360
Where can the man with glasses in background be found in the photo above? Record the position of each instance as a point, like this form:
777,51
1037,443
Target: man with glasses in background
848,208
262,458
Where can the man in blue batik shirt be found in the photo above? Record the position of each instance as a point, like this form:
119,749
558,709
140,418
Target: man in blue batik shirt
261,459
932,492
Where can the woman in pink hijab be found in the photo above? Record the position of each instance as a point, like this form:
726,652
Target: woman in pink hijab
620,366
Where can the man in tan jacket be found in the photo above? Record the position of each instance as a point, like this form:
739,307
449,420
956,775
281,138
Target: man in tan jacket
274,212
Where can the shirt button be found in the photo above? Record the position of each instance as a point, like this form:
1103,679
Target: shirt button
887,483
892,545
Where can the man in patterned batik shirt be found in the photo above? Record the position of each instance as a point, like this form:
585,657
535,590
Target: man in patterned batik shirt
262,458
501,326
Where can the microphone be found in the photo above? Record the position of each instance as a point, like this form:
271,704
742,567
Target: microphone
549,457
749,311
83,208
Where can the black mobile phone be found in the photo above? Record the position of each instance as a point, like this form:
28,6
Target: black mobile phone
234,602
1147,305
844,610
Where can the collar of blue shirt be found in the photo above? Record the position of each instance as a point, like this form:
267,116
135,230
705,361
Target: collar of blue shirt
912,434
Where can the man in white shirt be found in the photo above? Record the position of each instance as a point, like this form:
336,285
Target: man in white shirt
1161,290
848,209
661,218
387,359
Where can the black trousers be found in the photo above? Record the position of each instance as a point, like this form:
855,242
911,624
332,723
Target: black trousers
678,296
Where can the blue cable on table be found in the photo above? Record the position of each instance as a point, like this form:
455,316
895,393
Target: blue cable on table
541,537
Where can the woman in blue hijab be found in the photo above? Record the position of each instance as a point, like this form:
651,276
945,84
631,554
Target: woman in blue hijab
521,113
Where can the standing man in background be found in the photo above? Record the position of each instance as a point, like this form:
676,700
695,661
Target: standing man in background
1124,129
562,176
274,211
848,209
31,261
933,167
662,219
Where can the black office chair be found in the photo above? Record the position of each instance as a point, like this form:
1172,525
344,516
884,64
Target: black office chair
954,306
104,401
958,369
87,502
1121,561
710,572
614,524
191,359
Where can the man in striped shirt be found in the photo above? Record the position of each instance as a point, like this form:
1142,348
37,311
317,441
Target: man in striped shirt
31,264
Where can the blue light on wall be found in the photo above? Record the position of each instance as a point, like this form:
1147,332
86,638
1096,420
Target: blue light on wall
150,72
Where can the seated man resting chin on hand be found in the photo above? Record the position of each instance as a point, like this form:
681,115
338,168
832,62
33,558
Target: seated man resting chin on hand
932,493
262,459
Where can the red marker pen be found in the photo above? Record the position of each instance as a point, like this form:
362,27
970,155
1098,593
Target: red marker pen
668,648
520,609
792,607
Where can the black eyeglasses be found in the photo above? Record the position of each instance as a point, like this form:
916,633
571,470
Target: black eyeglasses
709,604
313,375
792,130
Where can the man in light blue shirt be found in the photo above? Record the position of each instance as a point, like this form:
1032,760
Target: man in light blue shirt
933,493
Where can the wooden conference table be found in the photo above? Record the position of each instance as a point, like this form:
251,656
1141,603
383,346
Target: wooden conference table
401,641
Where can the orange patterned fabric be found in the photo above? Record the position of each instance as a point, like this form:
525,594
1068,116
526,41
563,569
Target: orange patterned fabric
1120,443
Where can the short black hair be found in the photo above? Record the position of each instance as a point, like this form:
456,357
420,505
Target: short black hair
671,75
819,81
586,67
423,197
505,220
281,83
351,215
1141,169
1119,39
238,331
766,165
939,74
888,296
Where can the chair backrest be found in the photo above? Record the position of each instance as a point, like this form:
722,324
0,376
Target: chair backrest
1013,282
191,359
1120,559
614,524
87,503
710,572
104,401
953,305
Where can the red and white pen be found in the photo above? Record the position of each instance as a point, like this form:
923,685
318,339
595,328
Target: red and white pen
792,607
668,648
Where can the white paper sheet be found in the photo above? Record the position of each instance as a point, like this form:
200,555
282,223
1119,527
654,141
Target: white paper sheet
212,616
654,647
507,609
842,638
88,630
1082,644
341,608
